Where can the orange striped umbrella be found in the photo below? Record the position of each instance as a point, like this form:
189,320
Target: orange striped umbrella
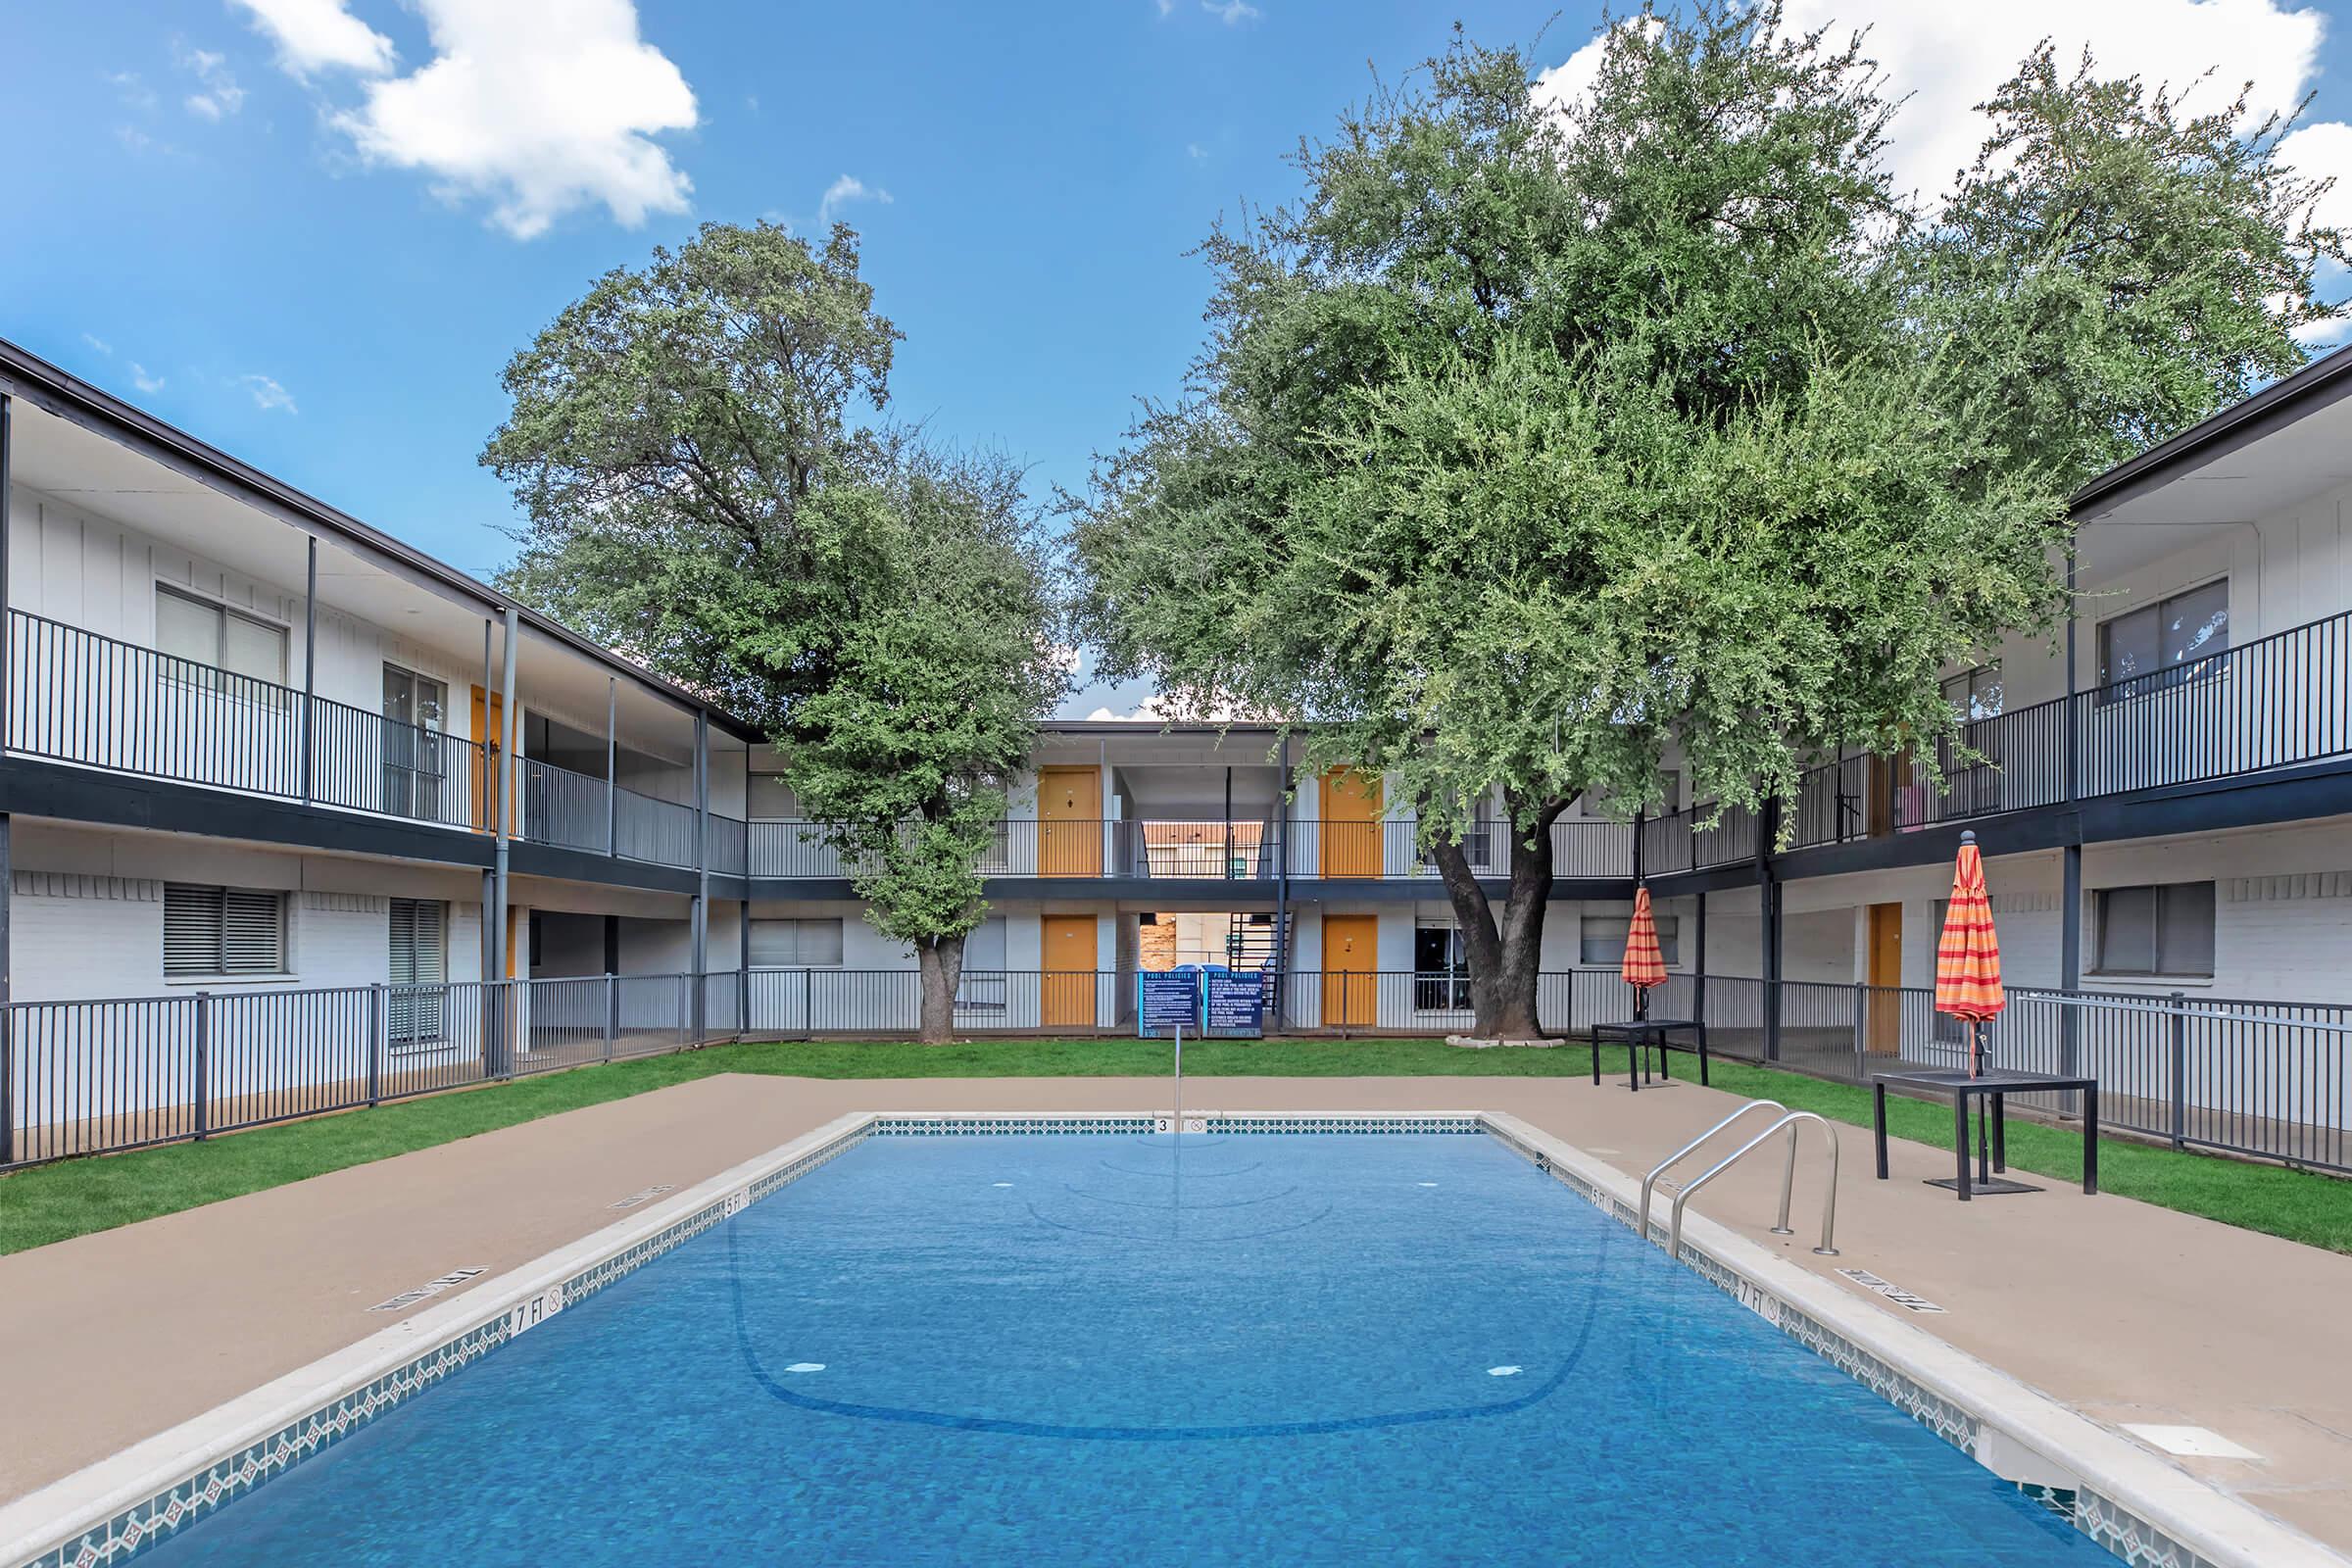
1968,955
1645,965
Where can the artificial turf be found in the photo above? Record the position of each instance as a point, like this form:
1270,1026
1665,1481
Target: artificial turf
52,1203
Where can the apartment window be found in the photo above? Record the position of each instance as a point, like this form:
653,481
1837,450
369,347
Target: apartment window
1441,970
223,931
2161,930
1601,939
2166,642
982,986
771,799
419,961
807,944
414,705
203,633
1975,694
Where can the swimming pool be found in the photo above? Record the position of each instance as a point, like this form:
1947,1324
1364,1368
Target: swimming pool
1123,1348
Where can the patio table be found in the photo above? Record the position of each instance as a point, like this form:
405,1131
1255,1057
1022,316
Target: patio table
1646,1035
1994,1086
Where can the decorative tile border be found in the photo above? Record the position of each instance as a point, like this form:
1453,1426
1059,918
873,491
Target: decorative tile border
2109,1524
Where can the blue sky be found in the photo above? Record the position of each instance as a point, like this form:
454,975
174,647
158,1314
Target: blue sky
310,232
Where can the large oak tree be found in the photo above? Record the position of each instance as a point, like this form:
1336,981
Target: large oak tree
1535,443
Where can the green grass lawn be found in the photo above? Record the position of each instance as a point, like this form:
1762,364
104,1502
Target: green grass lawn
51,1202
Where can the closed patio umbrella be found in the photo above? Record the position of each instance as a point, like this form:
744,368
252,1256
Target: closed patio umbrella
1968,954
1645,965
1968,960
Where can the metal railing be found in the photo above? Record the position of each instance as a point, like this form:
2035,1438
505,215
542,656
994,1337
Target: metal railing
2267,1079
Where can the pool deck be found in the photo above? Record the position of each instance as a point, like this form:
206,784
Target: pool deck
2126,1313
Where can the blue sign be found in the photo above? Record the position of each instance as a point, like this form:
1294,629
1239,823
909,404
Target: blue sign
1234,1004
1165,999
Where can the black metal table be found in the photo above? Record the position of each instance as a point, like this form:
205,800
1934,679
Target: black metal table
1994,1086
1644,1035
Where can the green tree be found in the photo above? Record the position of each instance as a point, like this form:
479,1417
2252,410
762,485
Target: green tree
943,663
2114,269
696,495
1530,445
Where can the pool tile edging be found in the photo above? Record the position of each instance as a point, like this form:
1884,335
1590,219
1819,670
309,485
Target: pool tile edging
1982,1411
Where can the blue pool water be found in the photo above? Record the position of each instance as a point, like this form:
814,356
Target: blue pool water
1108,1349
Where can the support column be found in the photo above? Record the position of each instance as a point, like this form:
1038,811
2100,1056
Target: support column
2070,898
702,870
506,829
8,1080
1768,892
1699,963
310,665
1282,884
611,765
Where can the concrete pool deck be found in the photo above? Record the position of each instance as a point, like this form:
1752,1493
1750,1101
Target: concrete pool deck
2130,1314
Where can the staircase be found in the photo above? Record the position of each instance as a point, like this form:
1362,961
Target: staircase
1250,940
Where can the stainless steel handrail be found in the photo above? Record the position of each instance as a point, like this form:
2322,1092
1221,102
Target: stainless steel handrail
1829,1196
1655,1178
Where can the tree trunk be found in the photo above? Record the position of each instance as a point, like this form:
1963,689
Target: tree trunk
941,963
1506,955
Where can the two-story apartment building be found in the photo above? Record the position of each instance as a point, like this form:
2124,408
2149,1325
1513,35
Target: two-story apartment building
257,750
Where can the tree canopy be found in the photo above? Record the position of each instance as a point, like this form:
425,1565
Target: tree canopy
697,497
1536,444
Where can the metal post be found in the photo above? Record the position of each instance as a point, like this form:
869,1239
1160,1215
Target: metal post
310,664
7,1053
497,1063
702,874
376,1042
808,1002
2070,952
1228,822
1772,971
204,1073
2178,1032
612,1012
1282,884
743,943
8,1099
611,765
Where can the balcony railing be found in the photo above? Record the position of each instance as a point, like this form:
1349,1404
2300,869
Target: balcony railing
76,696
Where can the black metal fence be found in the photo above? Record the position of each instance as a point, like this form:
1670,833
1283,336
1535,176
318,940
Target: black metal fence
2261,1078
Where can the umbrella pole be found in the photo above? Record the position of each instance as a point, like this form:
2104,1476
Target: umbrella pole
1983,1112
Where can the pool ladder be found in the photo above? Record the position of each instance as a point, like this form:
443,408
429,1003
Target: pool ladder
1793,1121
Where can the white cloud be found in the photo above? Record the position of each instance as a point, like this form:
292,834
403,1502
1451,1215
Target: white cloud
845,190
1194,149
155,384
98,343
316,35
133,89
539,110
220,95
267,394
1232,13
1948,60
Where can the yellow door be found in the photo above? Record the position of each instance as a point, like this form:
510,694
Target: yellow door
1352,812
489,715
1348,970
1069,977
1069,810
1885,1032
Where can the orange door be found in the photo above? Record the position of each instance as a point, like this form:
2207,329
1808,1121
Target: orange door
1352,812
1069,977
1069,810
1348,970
489,722
1885,1024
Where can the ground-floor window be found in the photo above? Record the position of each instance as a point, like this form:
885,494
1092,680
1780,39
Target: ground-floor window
982,986
1601,939
223,931
1441,970
419,957
808,942
2160,930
